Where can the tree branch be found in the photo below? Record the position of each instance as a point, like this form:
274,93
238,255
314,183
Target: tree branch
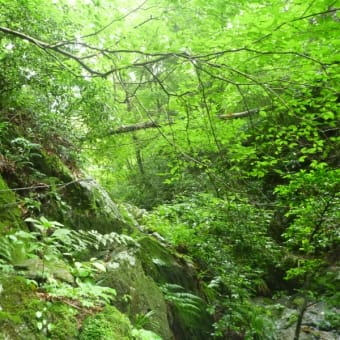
135,127
156,57
46,46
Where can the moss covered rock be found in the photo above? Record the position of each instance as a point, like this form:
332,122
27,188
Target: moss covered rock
92,207
140,293
51,165
107,325
36,268
24,316
83,204
10,215
77,203
64,322
164,266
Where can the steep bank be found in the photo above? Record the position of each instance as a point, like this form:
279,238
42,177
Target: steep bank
75,265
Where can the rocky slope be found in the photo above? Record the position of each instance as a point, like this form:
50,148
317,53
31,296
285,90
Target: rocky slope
66,246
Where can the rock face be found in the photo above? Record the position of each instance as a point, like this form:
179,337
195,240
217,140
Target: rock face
78,203
138,275
166,267
90,207
139,293
36,268
319,322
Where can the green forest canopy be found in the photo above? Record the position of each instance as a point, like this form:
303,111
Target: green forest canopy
92,67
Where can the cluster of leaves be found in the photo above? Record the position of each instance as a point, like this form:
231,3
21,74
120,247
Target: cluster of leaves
17,153
313,197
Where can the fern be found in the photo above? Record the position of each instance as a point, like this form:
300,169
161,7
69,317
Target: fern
82,240
6,248
87,293
53,241
145,320
188,305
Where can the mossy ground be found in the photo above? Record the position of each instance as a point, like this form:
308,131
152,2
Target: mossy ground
23,315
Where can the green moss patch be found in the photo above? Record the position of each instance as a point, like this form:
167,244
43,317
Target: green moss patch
107,325
52,166
24,316
10,215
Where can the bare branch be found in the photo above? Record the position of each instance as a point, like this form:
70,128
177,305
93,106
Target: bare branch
115,20
157,57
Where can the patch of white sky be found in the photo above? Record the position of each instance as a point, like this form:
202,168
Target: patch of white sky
124,5
74,2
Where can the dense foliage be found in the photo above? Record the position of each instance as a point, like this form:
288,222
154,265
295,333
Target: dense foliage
221,118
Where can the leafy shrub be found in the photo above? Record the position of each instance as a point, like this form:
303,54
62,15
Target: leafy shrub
17,247
23,152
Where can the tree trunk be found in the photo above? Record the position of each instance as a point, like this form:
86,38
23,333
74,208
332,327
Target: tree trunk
302,308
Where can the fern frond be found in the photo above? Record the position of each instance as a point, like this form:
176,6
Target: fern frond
187,303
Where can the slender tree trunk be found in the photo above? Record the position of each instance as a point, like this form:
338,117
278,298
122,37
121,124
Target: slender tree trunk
302,308
300,318
139,156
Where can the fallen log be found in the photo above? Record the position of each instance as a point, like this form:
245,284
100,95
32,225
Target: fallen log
238,114
135,127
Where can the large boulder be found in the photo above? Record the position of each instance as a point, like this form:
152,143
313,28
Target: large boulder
177,277
139,294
